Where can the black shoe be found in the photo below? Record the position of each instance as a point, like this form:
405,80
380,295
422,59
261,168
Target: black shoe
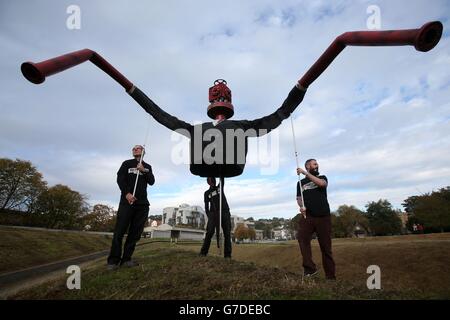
112,267
310,274
202,254
228,257
129,264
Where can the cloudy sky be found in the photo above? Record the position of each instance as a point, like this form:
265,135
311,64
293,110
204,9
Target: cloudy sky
377,120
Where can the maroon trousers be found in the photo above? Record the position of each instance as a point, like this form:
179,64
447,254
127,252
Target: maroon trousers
322,227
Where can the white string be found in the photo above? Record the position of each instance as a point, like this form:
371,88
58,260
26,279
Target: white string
147,131
220,216
138,172
142,154
296,159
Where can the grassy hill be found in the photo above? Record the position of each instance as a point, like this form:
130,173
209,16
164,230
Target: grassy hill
23,248
412,267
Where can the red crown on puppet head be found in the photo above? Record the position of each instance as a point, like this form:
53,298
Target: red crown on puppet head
220,99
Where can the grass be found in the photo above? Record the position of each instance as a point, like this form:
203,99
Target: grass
22,248
412,267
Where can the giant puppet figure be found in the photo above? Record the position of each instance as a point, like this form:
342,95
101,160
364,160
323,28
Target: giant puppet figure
212,154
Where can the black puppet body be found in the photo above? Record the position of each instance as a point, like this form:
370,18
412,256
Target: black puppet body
229,155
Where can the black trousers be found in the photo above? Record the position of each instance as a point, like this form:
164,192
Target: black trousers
131,218
211,227
322,227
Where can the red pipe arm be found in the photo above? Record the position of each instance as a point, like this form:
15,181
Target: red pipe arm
423,39
36,72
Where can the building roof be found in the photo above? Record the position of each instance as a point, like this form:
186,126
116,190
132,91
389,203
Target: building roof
167,227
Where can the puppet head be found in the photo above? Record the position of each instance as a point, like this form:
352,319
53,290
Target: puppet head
220,101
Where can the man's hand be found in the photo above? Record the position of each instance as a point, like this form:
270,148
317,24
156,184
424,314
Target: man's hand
141,168
130,198
301,171
303,211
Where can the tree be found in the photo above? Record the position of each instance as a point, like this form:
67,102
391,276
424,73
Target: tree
293,226
433,210
20,185
444,193
277,222
62,208
156,217
430,209
100,218
383,219
251,233
410,204
241,232
260,224
349,218
336,227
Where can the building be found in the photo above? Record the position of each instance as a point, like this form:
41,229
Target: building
154,223
184,222
249,224
281,233
167,231
359,231
236,220
185,215
259,235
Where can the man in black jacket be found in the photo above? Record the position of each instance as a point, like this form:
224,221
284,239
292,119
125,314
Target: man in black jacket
212,207
133,210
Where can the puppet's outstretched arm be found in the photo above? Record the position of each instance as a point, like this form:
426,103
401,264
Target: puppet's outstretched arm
265,124
423,39
159,114
37,72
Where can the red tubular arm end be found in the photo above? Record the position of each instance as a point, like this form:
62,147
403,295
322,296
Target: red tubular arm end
37,72
423,39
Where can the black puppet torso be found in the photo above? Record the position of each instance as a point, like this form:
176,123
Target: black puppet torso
220,149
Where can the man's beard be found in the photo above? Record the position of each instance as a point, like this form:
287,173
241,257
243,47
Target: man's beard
314,172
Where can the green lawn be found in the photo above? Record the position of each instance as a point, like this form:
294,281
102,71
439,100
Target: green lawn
413,267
